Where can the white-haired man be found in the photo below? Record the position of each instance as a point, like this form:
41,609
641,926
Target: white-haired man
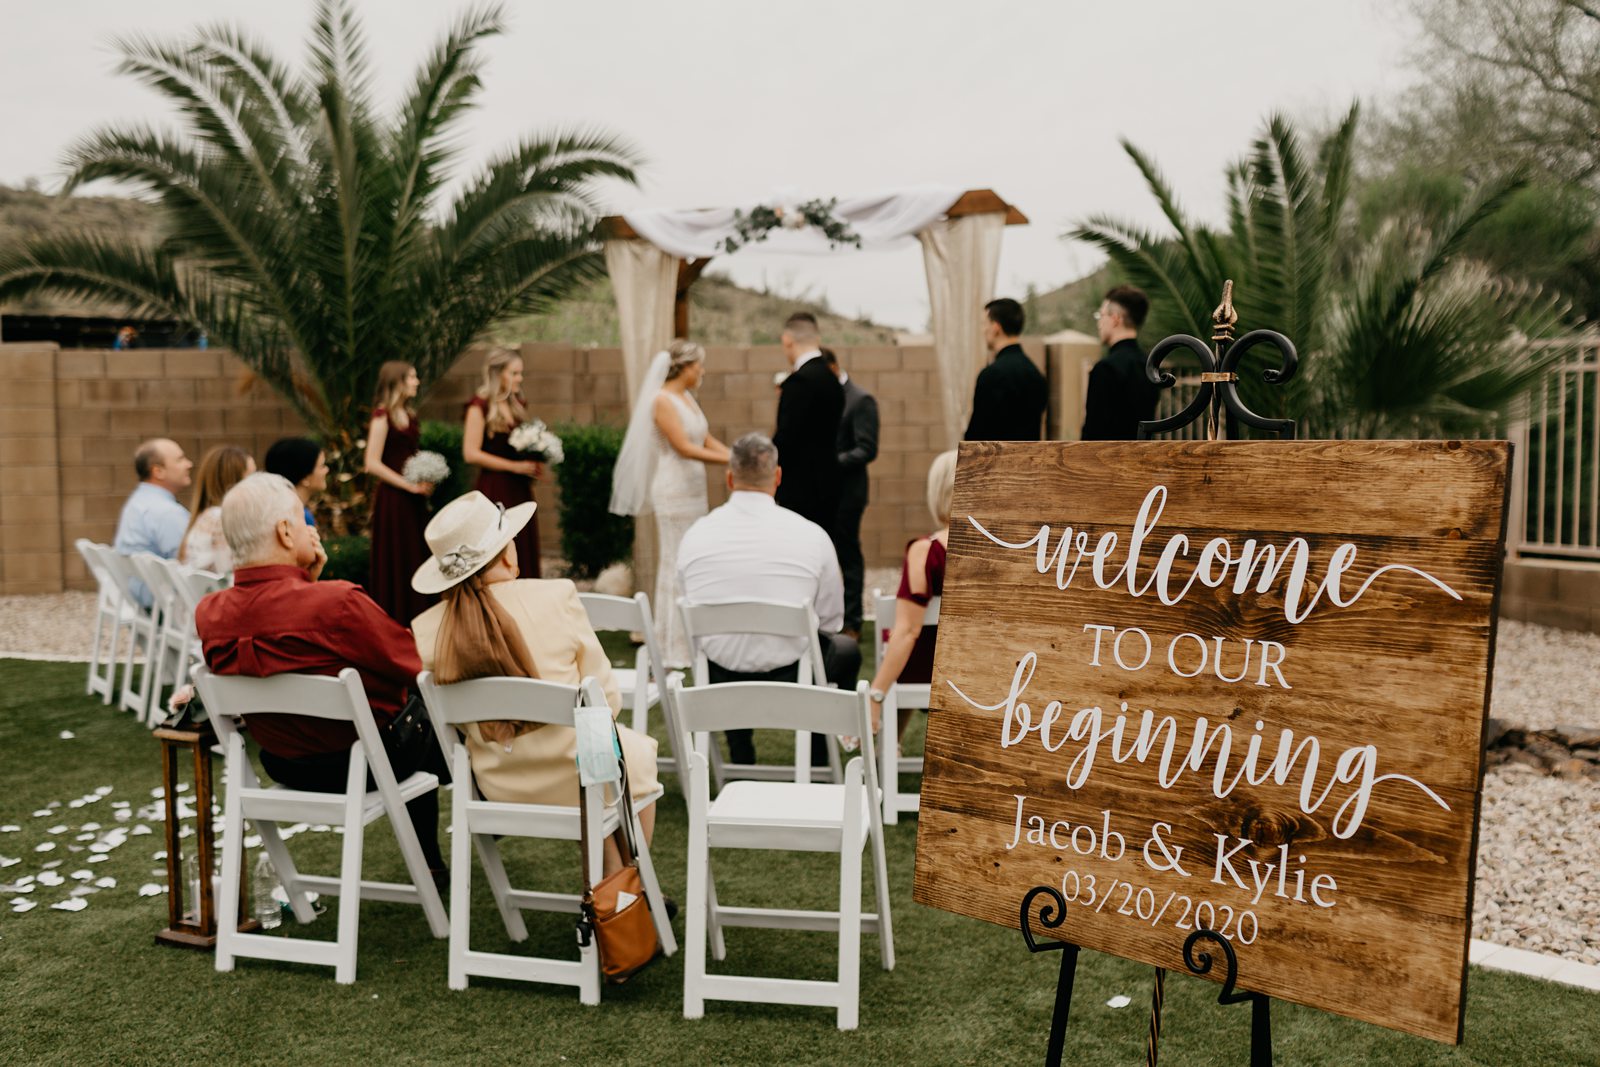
279,619
752,549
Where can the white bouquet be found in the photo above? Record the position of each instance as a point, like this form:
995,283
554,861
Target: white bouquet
536,441
428,467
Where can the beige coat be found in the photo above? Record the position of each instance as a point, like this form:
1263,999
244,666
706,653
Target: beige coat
541,766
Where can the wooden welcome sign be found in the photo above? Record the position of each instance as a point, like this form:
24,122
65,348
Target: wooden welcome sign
1237,684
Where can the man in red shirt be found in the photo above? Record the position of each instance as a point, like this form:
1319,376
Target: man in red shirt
278,618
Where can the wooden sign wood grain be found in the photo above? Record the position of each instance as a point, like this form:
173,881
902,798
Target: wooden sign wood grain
1304,634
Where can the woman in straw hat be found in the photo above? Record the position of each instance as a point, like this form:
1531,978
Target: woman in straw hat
490,624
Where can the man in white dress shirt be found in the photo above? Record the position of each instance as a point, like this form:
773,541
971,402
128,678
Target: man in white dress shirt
752,549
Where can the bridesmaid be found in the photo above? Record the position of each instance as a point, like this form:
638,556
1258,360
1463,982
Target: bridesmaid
503,475
399,507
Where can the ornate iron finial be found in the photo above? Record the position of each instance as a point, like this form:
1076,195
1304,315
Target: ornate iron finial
1219,374
1223,320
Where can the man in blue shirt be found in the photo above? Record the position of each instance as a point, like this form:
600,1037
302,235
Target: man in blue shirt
152,520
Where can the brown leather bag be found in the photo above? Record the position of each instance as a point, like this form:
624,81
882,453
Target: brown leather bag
626,936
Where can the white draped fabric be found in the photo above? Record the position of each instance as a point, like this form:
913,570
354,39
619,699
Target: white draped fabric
962,256
644,279
882,221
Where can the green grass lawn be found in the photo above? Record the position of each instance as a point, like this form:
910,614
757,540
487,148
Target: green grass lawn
91,986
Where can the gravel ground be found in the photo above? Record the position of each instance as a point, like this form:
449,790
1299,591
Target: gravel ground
1537,888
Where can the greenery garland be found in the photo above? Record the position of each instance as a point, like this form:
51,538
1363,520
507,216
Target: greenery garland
762,220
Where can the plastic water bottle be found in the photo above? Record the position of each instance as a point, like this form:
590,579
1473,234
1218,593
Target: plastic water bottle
263,884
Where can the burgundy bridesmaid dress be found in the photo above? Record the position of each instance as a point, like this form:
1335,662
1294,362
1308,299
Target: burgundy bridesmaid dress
398,519
509,489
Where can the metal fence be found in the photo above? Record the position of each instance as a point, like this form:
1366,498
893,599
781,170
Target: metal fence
1555,481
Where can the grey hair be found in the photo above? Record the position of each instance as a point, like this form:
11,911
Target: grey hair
251,511
754,460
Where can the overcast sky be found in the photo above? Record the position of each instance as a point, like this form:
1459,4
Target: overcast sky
730,100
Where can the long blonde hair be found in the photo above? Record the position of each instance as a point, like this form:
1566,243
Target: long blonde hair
391,384
941,486
220,470
506,409
478,638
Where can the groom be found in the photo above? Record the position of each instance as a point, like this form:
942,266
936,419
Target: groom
810,404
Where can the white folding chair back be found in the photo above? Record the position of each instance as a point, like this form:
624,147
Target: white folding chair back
899,695
189,586
789,816
138,619
114,612
228,699
152,571
644,684
776,619
479,822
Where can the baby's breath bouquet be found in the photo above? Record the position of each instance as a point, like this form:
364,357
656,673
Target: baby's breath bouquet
536,441
428,467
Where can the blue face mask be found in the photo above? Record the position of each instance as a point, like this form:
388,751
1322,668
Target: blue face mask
599,751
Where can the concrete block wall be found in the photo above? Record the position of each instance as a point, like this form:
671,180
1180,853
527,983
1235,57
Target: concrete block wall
1559,593
71,419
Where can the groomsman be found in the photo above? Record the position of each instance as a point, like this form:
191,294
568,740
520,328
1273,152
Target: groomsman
1009,400
810,404
1119,395
857,446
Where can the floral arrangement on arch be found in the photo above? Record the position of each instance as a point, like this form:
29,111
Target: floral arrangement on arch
762,220
538,442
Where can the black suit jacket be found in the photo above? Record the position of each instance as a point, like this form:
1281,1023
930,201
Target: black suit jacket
857,444
810,405
1119,396
1009,400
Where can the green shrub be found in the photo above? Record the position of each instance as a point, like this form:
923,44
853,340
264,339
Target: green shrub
445,439
591,537
347,558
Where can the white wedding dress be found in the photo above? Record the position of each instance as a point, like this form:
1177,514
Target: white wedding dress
678,498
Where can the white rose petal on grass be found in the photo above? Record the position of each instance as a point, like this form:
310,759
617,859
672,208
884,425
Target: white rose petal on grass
82,876
52,865
90,826
142,828
50,878
99,857
41,813
75,803
48,846
1118,1001
102,790
105,883
66,735
84,837
150,889
9,861
72,904
58,829
26,905
9,829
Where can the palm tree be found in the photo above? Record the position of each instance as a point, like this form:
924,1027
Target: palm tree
309,232
1400,337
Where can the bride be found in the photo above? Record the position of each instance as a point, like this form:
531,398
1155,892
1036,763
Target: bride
661,470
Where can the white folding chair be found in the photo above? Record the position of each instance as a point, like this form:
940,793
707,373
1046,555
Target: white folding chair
227,701
789,816
645,683
187,586
481,821
768,617
899,695
145,701
115,611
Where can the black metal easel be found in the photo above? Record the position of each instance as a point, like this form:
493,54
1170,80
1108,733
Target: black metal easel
1218,401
